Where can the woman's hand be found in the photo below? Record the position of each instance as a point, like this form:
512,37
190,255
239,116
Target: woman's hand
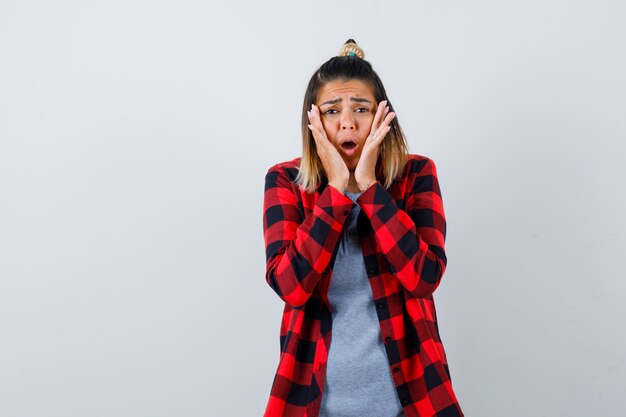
334,165
365,172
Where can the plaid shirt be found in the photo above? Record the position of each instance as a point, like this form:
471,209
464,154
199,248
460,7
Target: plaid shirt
402,232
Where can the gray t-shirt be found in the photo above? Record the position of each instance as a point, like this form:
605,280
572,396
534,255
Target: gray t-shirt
358,379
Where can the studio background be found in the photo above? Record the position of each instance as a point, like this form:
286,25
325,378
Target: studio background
134,141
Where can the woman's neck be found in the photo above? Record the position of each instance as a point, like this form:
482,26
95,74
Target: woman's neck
353,187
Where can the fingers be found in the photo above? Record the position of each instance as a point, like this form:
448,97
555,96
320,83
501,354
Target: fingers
324,146
334,165
379,128
379,131
316,124
380,111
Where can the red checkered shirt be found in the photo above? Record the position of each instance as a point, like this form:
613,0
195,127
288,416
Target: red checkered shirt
402,232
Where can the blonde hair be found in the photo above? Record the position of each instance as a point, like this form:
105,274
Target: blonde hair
393,149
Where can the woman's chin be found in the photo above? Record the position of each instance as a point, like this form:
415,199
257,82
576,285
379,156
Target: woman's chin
351,163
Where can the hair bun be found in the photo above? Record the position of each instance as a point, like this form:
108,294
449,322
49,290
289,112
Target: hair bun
350,48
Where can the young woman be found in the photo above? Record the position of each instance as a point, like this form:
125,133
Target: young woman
354,239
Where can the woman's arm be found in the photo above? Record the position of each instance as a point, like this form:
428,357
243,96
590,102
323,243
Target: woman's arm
412,240
298,252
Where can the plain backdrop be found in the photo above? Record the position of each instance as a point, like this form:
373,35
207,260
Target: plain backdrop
134,141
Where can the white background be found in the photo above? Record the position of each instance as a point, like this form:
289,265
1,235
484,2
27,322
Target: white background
134,141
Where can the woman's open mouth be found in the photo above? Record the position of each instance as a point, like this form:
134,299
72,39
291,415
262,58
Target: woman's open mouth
349,148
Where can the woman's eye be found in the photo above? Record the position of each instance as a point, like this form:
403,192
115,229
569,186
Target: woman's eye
358,110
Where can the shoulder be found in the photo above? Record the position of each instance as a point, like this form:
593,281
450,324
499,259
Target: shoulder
283,171
417,165
293,164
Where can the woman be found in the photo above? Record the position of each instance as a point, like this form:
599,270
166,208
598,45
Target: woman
354,237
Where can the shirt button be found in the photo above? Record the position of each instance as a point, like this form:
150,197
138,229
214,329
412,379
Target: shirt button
387,339
346,211
379,305
396,369
352,233
405,401
371,271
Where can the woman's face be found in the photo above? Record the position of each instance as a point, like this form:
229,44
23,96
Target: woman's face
347,110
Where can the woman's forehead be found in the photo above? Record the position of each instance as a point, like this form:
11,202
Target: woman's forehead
336,89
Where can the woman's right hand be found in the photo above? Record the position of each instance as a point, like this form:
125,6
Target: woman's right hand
334,165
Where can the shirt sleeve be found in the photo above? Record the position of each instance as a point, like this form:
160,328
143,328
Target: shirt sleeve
298,251
412,240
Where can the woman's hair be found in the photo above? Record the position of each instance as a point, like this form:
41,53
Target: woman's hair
393,149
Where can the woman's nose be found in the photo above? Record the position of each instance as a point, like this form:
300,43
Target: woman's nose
347,121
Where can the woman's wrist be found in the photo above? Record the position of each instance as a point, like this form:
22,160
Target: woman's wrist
340,188
367,185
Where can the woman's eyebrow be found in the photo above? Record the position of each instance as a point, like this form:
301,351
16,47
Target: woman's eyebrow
337,100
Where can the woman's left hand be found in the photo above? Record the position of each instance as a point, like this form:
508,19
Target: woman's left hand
365,171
